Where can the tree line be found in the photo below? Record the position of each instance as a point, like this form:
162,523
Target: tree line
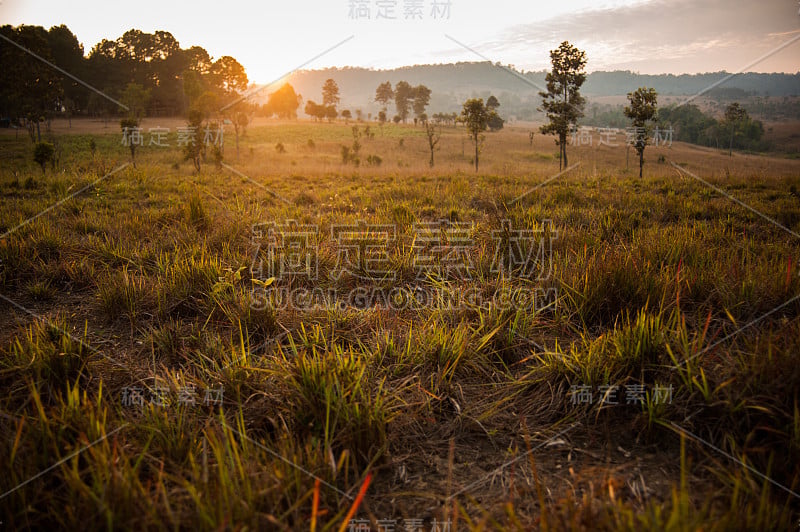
162,77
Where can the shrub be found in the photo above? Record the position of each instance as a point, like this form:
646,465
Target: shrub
43,153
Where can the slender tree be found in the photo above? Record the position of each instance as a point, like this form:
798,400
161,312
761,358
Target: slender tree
643,111
562,102
135,98
421,98
476,117
403,95
330,93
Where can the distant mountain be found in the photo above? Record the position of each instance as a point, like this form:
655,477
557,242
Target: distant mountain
518,91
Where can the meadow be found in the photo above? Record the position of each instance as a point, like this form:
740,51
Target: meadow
151,378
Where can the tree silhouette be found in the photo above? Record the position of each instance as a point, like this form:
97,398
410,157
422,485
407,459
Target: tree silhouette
32,91
29,89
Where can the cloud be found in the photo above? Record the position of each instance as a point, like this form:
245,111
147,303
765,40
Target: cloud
705,35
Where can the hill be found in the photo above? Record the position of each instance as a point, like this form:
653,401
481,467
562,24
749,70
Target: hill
518,91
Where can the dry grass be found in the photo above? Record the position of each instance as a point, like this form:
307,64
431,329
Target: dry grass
142,285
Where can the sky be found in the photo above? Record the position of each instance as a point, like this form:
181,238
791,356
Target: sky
272,38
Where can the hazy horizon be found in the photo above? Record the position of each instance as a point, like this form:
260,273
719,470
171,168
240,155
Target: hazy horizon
647,37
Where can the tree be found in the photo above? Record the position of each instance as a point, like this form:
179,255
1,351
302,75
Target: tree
30,91
67,53
445,118
433,134
152,60
643,110
228,77
384,94
163,73
315,110
193,149
239,118
131,135
403,94
476,116
197,59
495,122
734,115
562,102
207,104
381,119
690,123
284,102
422,96
347,115
331,113
136,98
330,93
240,121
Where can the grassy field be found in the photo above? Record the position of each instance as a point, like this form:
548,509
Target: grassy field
153,378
